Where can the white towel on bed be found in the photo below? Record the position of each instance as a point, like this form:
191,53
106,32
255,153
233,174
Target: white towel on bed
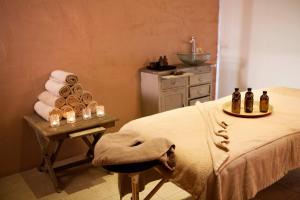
217,137
130,147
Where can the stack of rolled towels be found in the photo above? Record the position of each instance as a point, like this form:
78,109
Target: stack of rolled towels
63,93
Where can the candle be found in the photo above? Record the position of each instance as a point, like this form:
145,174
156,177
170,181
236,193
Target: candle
86,113
54,120
100,112
71,117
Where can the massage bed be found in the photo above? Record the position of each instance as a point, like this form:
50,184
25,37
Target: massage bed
260,150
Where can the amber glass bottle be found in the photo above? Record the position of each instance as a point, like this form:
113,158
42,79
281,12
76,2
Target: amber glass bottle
236,101
264,102
248,104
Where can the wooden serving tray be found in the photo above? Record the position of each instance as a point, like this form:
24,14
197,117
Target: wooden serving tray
254,114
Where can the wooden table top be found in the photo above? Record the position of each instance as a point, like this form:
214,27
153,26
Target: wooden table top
44,128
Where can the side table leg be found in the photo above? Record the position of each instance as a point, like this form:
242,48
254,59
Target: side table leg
43,146
90,152
51,173
41,167
46,161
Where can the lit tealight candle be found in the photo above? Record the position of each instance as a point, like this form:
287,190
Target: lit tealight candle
100,112
71,117
54,120
86,113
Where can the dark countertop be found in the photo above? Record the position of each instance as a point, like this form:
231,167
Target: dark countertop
206,67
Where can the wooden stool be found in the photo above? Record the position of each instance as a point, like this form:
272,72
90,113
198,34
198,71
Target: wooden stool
134,170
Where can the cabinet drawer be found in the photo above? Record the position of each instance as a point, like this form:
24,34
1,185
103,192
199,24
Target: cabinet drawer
167,83
200,78
202,99
199,91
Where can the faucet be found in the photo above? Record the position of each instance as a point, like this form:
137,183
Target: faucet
193,42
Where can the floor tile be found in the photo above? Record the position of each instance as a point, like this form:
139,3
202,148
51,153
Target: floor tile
180,195
167,190
96,184
275,192
14,188
291,182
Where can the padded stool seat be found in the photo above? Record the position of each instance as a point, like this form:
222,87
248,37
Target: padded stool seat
133,170
132,167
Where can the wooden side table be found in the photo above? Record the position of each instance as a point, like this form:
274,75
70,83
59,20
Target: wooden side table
50,140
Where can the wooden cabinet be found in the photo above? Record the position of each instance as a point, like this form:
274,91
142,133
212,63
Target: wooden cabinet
162,91
173,98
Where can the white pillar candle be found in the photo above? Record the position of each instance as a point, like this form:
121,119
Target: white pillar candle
54,120
100,111
71,117
86,113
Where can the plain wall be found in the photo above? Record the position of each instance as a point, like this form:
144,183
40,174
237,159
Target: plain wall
259,44
104,42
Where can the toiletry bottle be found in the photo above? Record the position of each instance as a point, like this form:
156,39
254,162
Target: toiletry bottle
165,61
248,106
236,101
264,102
161,62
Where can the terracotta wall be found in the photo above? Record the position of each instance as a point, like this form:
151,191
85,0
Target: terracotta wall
105,42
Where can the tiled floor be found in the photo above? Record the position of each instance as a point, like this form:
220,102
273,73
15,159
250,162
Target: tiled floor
88,183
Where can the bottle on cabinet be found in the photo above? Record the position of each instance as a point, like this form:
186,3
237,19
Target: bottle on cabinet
236,101
248,102
264,102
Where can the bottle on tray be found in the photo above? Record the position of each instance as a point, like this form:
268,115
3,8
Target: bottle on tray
236,101
248,102
264,102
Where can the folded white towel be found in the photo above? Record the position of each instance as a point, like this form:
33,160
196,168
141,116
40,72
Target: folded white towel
218,145
64,77
58,89
216,127
45,110
51,100
219,127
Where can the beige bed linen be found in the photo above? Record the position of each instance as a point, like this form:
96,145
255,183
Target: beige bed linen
218,145
247,136
269,147
185,129
251,173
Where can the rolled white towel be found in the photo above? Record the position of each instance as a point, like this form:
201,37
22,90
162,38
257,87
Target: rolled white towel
77,90
64,77
45,110
58,89
51,100
92,105
86,97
